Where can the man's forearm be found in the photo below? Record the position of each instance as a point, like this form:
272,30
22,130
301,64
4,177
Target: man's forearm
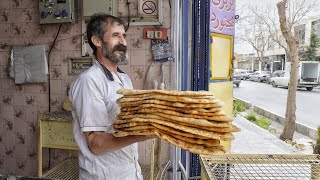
101,142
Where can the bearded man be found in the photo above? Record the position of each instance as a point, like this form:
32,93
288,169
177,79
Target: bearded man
94,109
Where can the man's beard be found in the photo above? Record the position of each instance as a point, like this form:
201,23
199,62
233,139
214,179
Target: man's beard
110,54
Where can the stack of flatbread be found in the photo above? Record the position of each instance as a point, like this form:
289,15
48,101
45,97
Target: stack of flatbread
192,120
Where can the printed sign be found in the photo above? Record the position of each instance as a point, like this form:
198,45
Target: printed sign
222,16
148,7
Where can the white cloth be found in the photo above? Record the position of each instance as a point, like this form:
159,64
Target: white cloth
94,108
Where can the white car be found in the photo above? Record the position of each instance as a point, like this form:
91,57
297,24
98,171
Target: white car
284,79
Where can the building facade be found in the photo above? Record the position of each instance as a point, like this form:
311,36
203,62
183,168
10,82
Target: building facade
275,55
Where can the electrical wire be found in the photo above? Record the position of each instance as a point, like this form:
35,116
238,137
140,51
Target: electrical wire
55,39
128,4
170,13
49,84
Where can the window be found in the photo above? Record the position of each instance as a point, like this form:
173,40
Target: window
316,27
300,33
260,42
271,43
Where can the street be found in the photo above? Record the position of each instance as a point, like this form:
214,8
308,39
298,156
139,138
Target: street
275,99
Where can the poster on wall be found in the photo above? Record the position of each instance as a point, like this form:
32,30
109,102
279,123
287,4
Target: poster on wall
221,49
222,16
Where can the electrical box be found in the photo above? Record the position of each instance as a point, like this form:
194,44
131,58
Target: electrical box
57,11
100,6
77,65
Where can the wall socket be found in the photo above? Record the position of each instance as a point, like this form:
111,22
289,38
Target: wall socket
158,34
155,33
150,34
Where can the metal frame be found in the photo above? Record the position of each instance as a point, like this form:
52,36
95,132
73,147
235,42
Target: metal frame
200,62
231,54
138,21
177,28
49,126
86,60
201,45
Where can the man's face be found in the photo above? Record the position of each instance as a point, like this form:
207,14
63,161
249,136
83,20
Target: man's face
114,45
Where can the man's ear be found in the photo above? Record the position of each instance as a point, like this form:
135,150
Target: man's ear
96,41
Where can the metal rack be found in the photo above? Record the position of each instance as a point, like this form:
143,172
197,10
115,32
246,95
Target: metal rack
55,131
246,166
67,169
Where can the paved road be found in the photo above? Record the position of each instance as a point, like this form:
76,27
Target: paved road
275,99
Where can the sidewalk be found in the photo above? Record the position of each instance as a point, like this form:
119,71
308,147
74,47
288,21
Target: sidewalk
254,140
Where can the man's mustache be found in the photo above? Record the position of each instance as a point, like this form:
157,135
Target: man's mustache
120,48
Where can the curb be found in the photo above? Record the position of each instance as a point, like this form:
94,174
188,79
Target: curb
300,128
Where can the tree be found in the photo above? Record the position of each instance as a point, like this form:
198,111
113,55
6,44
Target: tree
293,44
252,31
279,24
297,10
310,54
316,149
290,12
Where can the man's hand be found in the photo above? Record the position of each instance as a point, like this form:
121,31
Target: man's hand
161,86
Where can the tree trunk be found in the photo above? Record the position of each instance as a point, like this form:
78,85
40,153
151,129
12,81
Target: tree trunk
316,149
289,126
293,44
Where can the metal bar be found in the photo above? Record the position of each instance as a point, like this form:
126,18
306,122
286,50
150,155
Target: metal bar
178,47
195,48
200,47
184,45
203,32
207,44
186,65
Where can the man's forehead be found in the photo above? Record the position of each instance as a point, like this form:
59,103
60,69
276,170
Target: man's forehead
115,27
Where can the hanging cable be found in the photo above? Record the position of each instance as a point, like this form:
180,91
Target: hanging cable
128,4
53,43
49,89
170,12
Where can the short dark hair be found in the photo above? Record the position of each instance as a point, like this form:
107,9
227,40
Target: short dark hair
96,24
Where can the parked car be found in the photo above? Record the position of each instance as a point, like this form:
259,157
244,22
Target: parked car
277,73
243,73
247,75
236,80
308,76
260,76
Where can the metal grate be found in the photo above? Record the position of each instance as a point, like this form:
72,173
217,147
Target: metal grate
57,116
66,170
275,167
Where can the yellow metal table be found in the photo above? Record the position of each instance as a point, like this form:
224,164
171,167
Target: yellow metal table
55,131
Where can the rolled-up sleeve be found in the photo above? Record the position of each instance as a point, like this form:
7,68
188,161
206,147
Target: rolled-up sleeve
88,102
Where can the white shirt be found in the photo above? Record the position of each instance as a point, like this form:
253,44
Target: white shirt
94,108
